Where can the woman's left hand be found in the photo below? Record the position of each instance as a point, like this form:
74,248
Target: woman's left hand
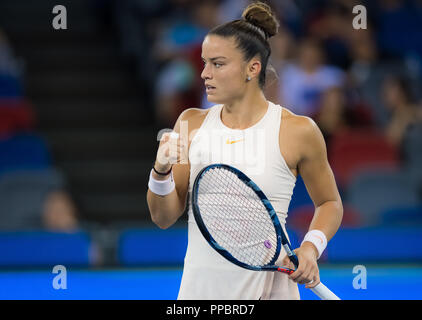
307,272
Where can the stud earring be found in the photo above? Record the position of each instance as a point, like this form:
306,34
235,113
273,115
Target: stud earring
248,78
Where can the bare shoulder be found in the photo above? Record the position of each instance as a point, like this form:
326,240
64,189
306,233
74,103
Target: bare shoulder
300,125
303,132
189,122
193,116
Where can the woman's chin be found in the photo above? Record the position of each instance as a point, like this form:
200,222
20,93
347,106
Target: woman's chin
213,99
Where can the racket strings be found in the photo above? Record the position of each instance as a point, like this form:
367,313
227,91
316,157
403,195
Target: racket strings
236,217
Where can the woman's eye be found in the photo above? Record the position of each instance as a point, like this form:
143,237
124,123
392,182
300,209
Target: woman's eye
217,65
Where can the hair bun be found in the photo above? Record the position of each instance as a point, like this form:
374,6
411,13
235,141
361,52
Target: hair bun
261,15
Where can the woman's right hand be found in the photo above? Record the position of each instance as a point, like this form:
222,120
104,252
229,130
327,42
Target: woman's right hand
172,150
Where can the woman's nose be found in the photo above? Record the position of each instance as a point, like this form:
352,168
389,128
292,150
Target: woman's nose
206,74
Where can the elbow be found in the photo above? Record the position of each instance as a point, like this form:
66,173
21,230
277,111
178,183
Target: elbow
340,206
340,211
156,217
161,223
164,215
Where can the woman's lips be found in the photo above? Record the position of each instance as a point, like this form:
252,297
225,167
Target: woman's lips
209,88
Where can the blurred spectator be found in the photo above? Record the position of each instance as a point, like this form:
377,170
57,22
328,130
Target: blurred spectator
179,85
180,33
332,25
32,193
59,212
302,83
332,115
173,89
281,55
36,199
367,72
231,10
339,111
403,111
281,48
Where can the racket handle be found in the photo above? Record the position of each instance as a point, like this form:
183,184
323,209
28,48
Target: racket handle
320,290
285,270
324,293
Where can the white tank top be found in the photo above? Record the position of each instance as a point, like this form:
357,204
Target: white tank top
256,152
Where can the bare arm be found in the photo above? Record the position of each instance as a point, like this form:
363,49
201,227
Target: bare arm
320,183
166,210
319,180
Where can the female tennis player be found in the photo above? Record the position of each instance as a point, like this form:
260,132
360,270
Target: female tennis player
267,142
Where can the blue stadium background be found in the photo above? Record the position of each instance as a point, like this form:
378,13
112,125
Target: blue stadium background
80,113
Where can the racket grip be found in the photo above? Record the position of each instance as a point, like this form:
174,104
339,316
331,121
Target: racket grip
285,270
324,293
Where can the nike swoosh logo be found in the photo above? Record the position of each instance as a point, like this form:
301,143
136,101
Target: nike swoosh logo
234,141
320,239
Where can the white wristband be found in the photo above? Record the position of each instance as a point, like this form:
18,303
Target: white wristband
161,187
318,239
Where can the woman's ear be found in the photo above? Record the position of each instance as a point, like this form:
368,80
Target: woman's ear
254,68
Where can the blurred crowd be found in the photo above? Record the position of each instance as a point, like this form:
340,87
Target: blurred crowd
361,86
33,192
320,60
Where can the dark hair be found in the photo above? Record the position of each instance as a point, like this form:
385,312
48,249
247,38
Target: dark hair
251,33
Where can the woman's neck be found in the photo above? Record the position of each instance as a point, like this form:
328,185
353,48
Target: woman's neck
245,112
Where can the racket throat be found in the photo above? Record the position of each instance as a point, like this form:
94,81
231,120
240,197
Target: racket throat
288,251
291,255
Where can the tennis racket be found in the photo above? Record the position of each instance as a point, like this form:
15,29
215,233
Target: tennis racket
239,222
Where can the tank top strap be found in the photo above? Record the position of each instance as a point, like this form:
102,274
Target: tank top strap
212,117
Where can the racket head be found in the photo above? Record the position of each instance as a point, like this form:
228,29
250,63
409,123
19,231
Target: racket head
196,208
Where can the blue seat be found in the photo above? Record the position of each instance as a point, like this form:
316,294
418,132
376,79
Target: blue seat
156,247
45,249
152,246
402,216
371,193
376,245
23,151
22,197
10,86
